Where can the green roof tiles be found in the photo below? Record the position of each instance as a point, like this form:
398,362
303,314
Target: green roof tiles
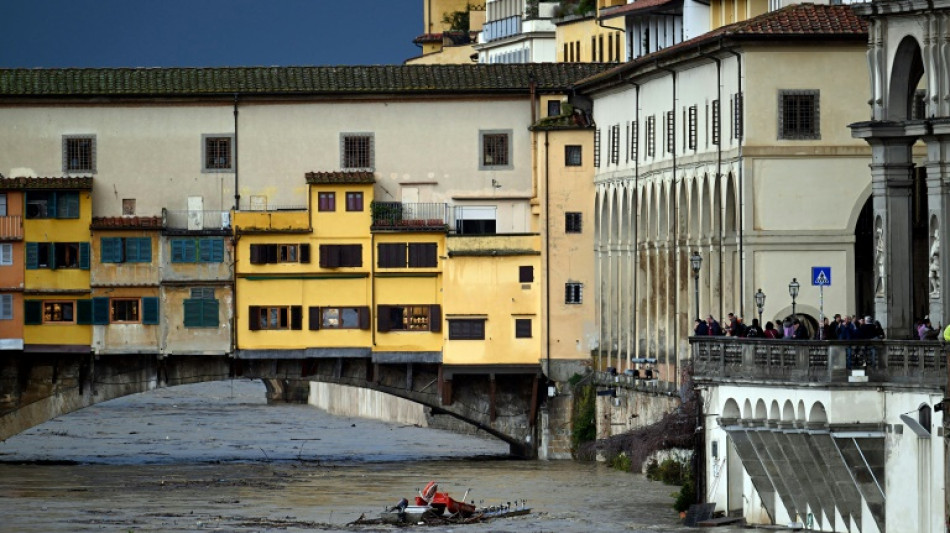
226,81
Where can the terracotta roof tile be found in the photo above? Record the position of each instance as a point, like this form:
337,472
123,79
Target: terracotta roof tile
228,81
639,5
794,22
126,222
337,177
46,183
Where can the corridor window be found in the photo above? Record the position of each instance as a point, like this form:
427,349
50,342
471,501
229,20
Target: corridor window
3,204
356,151
572,222
526,274
279,253
495,150
573,293
522,328
79,153
216,156
798,115
467,329
124,310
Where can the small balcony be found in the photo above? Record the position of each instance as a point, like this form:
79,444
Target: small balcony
11,228
399,216
732,360
196,220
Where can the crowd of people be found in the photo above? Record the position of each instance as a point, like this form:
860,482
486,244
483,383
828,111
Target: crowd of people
839,328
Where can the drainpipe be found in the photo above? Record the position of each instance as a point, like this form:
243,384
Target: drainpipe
741,187
636,214
237,195
676,226
600,22
547,250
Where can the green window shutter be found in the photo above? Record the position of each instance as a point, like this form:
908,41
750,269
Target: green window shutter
68,205
32,255
150,310
209,313
145,250
217,250
138,250
193,312
84,255
178,251
100,311
204,250
84,312
110,250
32,312
51,205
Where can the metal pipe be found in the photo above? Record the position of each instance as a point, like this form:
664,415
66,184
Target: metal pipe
237,195
741,186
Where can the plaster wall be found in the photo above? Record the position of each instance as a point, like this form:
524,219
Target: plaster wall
127,338
180,340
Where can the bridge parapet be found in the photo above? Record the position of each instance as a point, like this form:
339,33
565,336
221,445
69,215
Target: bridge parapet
883,361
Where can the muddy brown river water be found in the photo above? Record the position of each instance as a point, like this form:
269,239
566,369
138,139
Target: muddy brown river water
215,457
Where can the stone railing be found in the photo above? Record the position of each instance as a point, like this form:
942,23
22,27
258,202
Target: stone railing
638,382
738,359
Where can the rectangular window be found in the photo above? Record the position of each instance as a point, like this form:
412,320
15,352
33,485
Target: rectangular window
57,255
79,153
615,144
128,206
472,329
572,155
356,151
554,106
217,154
125,250
495,150
634,140
651,136
3,204
572,222
522,328
692,127
670,132
201,310
354,201
326,201
276,317
526,274
597,148
6,307
798,115
52,204
408,318
340,318
6,254
59,312
123,310
573,293
200,250
341,255
392,255
715,122
423,255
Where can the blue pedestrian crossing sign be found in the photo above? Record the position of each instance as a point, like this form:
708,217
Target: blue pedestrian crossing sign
821,276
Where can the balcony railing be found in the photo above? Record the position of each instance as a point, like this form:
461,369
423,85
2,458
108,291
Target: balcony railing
738,359
11,228
409,216
197,220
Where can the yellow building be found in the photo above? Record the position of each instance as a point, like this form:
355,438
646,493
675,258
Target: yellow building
589,40
440,42
58,311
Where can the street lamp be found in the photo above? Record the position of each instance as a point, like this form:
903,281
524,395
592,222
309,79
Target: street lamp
696,262
760,303
793,292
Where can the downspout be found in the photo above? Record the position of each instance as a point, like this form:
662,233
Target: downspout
532,86
237,195
600,22
547,251
636,214
741,187
676,227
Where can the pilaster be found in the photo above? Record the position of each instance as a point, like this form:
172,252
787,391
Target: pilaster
938,201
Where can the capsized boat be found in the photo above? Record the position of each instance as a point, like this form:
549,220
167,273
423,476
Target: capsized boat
442,502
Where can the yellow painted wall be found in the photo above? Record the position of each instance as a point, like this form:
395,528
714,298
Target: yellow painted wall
57,333
581,31
436,54
270,220
123,273
60,230
488,286
403,291
128,338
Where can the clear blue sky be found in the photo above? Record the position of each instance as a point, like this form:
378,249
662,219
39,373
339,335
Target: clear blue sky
207,33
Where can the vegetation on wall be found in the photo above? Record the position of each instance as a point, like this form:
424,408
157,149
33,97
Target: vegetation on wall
458,20
583,420
575,7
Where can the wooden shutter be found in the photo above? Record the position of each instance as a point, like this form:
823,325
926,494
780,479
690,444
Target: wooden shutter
435,318
392,255
84,255
329,255
304,255
209,313
32,312
100,311
33,257
150,314
256,254
296,317
254,318
364,317
422,255
193,313
313,316
351,255
270,253
382,318
83,312
107,250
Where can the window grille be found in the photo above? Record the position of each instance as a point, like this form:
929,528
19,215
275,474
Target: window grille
634,140
572,155
357,151
670,132
597,148
573,293
692,127
615,144
737,116
572,222
79,153
798,115
715,123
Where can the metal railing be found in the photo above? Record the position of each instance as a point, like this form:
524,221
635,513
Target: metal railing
738,359
196,220
403,216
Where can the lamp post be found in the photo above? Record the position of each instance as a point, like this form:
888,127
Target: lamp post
696,262
760,303
793,292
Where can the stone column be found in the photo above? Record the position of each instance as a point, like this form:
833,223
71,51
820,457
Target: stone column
938,201
892,188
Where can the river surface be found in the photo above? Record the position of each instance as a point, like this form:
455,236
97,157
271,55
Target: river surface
216,457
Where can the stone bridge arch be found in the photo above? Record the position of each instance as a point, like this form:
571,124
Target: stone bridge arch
38,388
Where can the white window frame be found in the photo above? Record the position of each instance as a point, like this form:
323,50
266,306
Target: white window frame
6,307
6,254
3,204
